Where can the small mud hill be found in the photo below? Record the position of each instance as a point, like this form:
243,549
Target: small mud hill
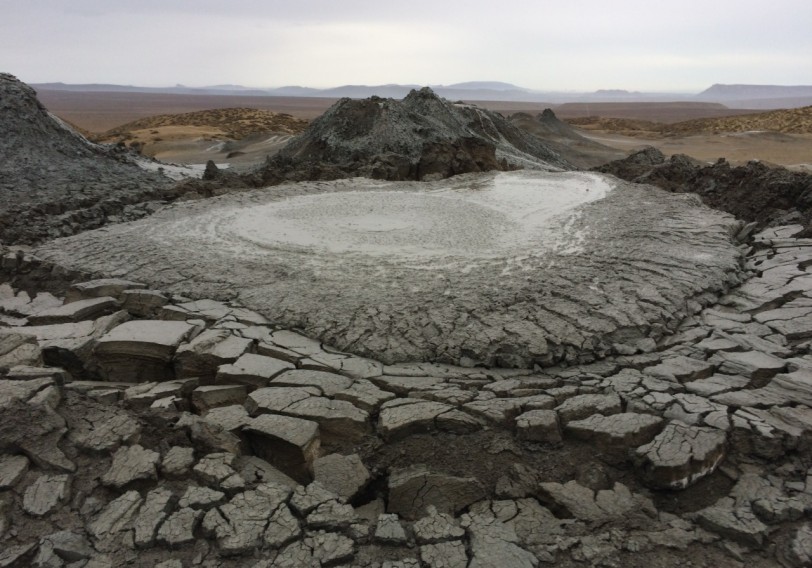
565,139
53,182
421,137
753,192
624,126
785,121
235,123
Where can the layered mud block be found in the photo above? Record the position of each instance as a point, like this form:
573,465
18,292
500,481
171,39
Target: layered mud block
79,310
113,287
680,455
252,370
556,266
287,442
141,350
204,355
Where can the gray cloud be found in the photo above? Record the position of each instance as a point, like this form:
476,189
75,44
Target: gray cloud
578,45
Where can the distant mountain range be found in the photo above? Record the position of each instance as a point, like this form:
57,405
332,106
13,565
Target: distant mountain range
759,96
734,96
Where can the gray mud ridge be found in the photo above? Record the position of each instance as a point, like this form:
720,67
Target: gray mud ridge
422,137
767,196
490,285
53,182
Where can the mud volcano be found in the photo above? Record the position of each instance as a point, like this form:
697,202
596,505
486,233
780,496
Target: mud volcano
506,269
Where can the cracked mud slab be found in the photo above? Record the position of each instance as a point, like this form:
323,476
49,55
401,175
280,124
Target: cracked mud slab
506,269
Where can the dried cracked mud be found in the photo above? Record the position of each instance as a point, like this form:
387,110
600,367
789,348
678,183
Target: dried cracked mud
145,423
505,269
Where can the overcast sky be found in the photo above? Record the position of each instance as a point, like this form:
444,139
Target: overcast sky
682,45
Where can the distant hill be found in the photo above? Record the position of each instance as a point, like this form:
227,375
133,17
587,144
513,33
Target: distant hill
674,111
236,123
734,96
738,92
785,121
176,90
788,121
467,91
759,96
488,85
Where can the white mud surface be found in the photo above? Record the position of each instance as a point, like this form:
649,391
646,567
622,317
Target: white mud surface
486,218
508,269
176,172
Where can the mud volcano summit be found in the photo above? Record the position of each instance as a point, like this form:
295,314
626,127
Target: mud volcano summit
415,337
422,137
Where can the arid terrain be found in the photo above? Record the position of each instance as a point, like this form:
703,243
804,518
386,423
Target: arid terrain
782,137
705,131
245,135
418,334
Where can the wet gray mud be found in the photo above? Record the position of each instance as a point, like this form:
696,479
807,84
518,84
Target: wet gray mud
507,269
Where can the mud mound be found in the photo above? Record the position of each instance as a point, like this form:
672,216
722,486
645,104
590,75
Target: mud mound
565,139
421,137
507,269
753,192
53,182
